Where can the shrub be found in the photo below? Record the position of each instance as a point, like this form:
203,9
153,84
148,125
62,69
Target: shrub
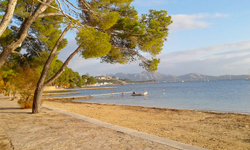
26,99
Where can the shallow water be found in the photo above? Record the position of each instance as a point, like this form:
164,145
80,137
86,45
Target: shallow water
223,96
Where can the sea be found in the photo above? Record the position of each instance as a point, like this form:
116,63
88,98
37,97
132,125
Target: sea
220,96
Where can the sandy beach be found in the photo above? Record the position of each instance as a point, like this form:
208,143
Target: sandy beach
19,129
210,130
51,130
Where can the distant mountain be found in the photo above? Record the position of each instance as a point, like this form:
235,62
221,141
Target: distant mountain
145,76
173,78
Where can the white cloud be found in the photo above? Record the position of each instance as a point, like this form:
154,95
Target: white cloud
225,49
232,58
186,22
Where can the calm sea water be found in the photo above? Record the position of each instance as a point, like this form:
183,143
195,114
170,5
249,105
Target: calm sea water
224,96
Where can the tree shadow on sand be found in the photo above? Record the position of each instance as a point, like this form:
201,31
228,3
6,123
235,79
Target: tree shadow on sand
246,140
11,110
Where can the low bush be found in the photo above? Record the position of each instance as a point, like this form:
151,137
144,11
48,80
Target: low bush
26,99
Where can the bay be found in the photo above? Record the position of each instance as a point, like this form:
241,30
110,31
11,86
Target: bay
222,96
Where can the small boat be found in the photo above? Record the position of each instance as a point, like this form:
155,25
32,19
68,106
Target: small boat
139,94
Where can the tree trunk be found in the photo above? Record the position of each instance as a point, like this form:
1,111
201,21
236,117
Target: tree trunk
7,16
40,84
60,71
22,34
36,107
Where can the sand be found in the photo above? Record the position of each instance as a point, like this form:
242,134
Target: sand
50,130
211,130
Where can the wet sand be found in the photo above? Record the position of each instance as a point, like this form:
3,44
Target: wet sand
211,130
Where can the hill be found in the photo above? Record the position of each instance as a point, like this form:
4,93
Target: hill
173,78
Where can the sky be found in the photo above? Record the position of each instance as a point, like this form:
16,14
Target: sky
209,37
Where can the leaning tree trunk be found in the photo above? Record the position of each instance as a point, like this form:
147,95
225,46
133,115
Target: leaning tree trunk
60,71
7,16
36,108
22,34
40,87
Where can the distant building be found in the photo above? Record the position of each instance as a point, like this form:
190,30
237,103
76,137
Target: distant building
105,83
100,77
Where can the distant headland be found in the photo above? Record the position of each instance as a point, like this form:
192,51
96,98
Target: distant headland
145,76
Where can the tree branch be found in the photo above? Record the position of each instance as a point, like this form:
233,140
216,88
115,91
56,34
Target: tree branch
86,4
64,14
60,71
133,51
48,5
75,6
32,37
70,8
60,8
50,15
7,16
22,33
37,53
44,73
19,54
59,14
32,9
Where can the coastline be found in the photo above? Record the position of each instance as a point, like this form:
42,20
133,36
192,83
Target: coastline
154,107
207,129
77,89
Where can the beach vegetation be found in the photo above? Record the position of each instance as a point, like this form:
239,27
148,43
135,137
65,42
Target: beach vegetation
23,82
91,80
18,77
85,78
109,30
26,99
6,82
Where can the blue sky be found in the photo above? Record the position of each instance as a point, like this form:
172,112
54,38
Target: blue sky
207,36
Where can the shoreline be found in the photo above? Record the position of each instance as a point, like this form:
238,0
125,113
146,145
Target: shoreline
153,107
207,129
78,89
